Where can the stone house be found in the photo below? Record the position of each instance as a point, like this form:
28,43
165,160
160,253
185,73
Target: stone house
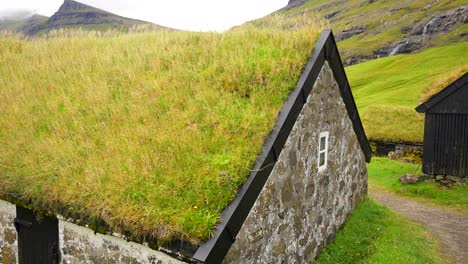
309,177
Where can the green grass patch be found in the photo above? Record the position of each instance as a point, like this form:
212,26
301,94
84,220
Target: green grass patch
151,132
384,174
387,90
393,123
375,234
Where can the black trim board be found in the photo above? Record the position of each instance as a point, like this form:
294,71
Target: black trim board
233,217
440,96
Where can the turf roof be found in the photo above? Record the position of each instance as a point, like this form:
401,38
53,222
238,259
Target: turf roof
149,132
443,81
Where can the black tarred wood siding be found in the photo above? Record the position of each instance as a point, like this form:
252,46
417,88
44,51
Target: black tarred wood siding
446,144
38,237
446,131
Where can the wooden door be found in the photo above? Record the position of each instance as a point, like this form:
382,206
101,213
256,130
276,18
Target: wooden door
37,237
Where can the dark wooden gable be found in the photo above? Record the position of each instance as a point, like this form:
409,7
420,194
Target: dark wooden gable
451,100
446,130
455,103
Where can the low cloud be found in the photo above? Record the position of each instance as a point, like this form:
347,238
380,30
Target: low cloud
16,14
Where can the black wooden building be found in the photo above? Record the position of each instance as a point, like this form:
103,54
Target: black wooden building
446,130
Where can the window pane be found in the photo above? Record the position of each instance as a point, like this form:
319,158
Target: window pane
322,159
322,143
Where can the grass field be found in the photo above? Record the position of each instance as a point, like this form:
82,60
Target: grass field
145,131
374,234
387,90
384,174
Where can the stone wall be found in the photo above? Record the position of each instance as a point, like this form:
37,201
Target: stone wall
8,241
406,152
300,209
81,245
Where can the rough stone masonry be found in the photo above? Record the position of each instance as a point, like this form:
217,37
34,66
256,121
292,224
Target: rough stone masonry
8,241
79,244
300,209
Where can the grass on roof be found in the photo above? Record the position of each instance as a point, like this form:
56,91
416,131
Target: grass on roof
442,82
387,90
150,132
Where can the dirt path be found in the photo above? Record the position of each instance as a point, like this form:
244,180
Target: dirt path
451,228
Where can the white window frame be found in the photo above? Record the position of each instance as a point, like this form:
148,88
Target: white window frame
325,150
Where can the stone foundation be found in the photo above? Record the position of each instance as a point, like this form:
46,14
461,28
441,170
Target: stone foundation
79,244
447,180
8,239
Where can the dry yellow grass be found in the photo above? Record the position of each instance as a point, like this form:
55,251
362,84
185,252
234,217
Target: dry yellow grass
150,132
442,82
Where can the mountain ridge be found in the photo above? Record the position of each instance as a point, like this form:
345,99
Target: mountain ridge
73,14
371,29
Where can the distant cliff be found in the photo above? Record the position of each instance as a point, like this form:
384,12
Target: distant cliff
294,3
73,14
370,29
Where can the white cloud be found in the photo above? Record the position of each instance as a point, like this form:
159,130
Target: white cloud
16,13
206,15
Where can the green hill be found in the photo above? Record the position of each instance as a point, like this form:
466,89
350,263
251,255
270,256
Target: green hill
387,90
373,29
22,24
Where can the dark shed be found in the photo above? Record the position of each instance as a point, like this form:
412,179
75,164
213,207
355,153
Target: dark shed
446,130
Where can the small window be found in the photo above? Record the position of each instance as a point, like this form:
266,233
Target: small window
323,151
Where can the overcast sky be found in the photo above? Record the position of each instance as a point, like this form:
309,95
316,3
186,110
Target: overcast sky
204,15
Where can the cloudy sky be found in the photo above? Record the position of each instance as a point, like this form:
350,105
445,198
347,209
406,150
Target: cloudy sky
197,15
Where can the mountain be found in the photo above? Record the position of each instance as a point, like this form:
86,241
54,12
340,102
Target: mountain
73,14
11,24
369,29
31,24
24,25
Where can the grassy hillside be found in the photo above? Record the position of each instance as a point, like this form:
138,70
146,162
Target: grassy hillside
150,132
387,90
22,24
370,29
11,25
